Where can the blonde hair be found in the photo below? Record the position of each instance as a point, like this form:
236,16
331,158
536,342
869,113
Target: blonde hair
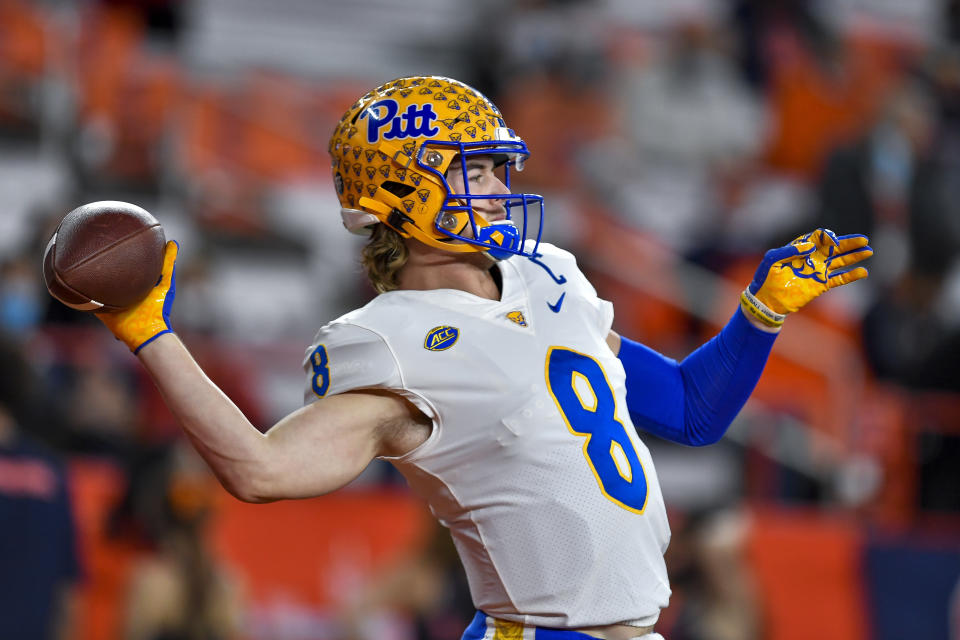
383,257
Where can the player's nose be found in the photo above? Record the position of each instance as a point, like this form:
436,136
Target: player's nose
499,188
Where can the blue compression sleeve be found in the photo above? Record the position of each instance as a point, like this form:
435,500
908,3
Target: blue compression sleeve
694,402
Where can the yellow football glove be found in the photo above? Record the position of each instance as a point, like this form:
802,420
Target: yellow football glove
149,318
791,276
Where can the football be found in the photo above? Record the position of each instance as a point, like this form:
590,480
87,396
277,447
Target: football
104,256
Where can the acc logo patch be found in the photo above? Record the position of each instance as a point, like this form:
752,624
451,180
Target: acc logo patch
441,338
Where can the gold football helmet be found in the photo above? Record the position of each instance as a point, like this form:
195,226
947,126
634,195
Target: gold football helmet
391,151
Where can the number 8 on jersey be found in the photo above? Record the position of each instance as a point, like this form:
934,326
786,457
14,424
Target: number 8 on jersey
583,395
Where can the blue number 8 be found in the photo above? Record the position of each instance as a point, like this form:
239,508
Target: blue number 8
572,378
321,373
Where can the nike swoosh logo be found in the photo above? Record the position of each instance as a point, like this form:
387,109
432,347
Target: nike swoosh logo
556,306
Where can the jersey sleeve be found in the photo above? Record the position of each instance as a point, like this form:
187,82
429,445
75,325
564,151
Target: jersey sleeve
561,263
604,314
344,357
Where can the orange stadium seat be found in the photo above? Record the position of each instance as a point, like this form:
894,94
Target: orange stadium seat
315,553
105,53
819,104
808,569
309,553
198,134
29,47
126,93
652,320
208,152
147,98
23,42
96,486
235,141
276,134
535,106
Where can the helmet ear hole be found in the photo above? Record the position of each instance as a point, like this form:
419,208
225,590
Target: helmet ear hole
356,116
397,188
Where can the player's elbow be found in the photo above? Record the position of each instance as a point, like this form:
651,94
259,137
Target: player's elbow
704,426
270,483
244,494
704,440
255,488
704,431
253,498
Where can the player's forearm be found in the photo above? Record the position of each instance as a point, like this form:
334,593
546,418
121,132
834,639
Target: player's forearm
235,450
694,402
720,376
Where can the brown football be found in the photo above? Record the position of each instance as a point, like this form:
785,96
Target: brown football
104,256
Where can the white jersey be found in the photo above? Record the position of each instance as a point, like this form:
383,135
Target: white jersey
551,498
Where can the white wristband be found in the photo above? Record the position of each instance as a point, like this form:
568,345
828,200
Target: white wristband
760,311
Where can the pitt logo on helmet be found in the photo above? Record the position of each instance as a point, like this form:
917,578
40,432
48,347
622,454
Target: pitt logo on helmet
441,338
415,122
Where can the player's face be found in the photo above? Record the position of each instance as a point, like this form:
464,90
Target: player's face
483,179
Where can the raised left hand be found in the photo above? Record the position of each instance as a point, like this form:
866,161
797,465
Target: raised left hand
791,276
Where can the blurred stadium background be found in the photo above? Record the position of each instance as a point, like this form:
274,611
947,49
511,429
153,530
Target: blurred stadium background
674,142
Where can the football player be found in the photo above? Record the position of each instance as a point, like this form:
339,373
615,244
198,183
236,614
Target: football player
487,372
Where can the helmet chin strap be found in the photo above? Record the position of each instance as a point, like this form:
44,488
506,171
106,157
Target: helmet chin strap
502,237
494,235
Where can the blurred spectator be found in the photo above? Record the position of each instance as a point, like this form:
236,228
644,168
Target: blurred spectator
943,69
688,106
756,21
102,409
908,341
889,184
179,592
38,550
821,84
21,301
550,78
954,613
716,596
689,124
427,590
897,184
91,405
164,20
534,38
951,15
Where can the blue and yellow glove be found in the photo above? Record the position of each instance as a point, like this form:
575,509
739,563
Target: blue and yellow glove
150,318
791,276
